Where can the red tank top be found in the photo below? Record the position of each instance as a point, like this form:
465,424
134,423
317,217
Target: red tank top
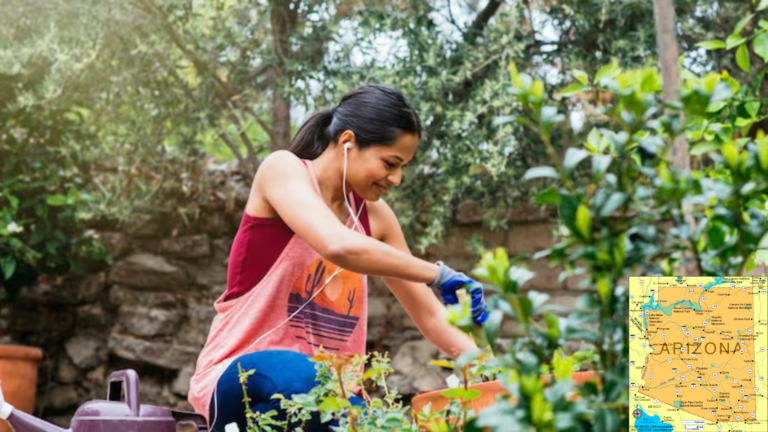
258,244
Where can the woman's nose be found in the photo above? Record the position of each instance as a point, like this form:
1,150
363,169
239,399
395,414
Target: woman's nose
394,178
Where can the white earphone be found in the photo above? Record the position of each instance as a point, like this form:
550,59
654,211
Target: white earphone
355,224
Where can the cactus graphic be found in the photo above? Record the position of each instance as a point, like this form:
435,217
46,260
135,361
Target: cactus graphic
351,299
313,282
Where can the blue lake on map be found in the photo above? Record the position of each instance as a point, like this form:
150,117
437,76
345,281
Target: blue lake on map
647,423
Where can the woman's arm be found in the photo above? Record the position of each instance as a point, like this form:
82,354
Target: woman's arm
283,181
418,300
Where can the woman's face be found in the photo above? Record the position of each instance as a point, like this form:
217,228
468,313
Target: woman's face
372,171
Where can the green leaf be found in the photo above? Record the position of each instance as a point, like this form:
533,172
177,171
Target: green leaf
612,204
741,121
600,164
731,153
763,4
563,367
609,71
705,147
584,222
763,24
329,404
568,206
760,46
711,44
742,58
742,22
572,158
56,200
492,325
8,266
541,171
762,153
580,76
752,108
716,236
574,89
734,40
550,116
549,196
462,394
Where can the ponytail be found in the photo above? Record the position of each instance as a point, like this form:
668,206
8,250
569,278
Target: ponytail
377,115
313,137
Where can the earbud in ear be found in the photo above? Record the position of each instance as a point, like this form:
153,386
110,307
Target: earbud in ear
348,145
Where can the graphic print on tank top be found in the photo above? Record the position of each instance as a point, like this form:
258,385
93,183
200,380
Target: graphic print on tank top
332,316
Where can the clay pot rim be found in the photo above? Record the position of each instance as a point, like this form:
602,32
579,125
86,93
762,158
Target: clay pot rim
20,352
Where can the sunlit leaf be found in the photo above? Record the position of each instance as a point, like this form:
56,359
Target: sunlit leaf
760,46
734,40
582,76
742,22
539,172
584,222
711,44
56,200
742,58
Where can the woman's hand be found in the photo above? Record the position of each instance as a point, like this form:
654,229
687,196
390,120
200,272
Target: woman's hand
449,281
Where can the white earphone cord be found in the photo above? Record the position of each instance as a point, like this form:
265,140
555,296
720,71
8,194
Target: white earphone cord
355,224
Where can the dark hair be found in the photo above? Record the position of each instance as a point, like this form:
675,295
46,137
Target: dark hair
377,114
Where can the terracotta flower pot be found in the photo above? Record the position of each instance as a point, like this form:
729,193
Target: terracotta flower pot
18,377
489,392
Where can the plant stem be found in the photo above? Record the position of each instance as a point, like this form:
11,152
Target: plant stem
339,370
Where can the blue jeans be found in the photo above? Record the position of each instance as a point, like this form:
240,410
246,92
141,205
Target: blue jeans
276,371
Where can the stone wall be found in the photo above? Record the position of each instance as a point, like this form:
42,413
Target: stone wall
150,310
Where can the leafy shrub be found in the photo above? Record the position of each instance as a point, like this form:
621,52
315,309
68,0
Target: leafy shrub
42,191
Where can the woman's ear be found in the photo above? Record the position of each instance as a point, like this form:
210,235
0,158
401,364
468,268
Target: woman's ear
347,139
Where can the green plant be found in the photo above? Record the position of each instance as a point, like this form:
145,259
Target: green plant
338,375
629,211
43,190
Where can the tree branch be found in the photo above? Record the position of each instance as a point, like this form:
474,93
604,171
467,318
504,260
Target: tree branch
453,21
481,20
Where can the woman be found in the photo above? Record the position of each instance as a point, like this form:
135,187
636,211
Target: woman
313,227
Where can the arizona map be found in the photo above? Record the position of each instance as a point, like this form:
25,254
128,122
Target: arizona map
697,351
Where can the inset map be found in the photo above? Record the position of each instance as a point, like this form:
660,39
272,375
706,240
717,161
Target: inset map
697,351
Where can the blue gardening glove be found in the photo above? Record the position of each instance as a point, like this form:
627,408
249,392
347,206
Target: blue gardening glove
449,281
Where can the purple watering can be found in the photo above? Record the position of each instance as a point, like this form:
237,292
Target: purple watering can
111,415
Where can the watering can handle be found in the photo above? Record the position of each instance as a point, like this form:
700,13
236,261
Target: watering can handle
198,420
129,380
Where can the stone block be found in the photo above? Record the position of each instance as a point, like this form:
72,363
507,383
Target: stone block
414,374
194,332
122,296
66,372
149,321
180,385
91,316
160,353
529,237
61,397
191,246
86,351
143,270
546,278
117,243
72,291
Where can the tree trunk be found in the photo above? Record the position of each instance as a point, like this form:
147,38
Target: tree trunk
664,14
281,120
282,15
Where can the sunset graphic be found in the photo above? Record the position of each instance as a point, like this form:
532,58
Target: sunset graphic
332,316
